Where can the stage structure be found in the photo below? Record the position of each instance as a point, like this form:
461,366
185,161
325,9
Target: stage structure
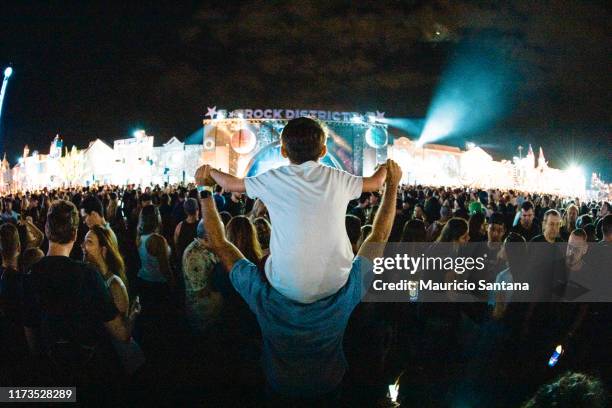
246,142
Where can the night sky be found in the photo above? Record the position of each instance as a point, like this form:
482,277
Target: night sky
103,71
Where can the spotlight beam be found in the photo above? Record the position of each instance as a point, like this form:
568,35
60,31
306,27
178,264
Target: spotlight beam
7,74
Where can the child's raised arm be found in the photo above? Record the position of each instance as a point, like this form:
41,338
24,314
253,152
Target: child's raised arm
376,180
206,176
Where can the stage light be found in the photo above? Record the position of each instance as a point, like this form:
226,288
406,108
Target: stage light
575,170
139,133
8,72
356,119
376,137
473,93
439,128
469,145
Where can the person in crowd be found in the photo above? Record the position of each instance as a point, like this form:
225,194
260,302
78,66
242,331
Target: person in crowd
236,204
259,210
112,212
361,209
264,231
167,218
569,222
8,214
203,302
591,232
353,229
551,226
456,231
185,231
242,233
33,210
527,225
155,277
414,231
432,206
100,250
69,313
11,299
92,212
514,255
496,232
433,231
145,198
225,217
603,212
476,225
178,211
219,199
290,267
606,229
374,206
295,363
419,214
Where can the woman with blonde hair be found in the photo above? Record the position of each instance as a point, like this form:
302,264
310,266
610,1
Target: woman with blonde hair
568,224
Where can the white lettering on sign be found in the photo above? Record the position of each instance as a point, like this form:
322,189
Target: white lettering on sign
290,114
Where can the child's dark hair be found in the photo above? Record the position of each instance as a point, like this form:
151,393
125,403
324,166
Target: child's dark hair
303,140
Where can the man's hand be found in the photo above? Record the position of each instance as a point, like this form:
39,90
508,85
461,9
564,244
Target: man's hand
394,173
203,177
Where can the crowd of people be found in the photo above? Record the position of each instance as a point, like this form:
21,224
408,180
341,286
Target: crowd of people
176,293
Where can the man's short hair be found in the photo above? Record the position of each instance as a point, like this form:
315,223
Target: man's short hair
303,140
551,212
580,233
92,203
62,222
353,228
526,206
9,240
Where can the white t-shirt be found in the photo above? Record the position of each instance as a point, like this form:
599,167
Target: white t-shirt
310,252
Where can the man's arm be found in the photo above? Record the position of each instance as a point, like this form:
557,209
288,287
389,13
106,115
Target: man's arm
206,176
373,246
216,241
376,180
